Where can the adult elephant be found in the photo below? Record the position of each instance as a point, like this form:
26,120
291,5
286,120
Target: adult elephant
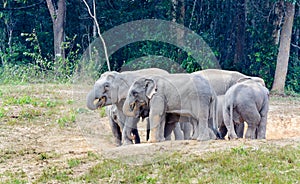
176,94
112,88
247,101
221,81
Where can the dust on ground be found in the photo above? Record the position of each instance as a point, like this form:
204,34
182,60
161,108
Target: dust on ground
91,133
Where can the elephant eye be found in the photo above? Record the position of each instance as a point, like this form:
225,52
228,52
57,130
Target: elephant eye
134,93
106,86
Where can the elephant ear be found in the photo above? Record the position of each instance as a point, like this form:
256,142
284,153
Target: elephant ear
150,88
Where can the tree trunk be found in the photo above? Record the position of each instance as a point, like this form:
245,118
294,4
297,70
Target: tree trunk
279,13
178,15
58,16
239,56
284,49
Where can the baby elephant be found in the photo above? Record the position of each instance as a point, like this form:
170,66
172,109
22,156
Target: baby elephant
247,101
116,122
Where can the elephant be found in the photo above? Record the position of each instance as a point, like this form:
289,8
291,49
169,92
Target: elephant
116,122
222,80
111,88
247,101
239,128
178,95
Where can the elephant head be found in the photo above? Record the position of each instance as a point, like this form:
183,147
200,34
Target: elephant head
137,100
104,92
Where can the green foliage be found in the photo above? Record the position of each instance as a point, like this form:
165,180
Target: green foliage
26,45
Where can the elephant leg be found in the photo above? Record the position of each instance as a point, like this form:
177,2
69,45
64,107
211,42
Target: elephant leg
157,117
116,130
155,127
168,138
136,135
194,128
262,127
251,131
239,129
253,120
168,130
148,130
205,133
125,139
178,132
186,127
222,130
228,121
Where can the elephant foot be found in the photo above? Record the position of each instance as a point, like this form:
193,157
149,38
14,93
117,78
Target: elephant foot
156,140
152,140
232,137
127,142
212,135
193,137
204,137
118,143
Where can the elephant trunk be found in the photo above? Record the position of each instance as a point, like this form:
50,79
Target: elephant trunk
127,109
130,126
91,97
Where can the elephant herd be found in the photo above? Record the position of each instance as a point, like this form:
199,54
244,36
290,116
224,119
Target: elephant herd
204,105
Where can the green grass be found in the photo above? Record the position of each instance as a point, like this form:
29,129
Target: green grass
238,165
34,103
73,162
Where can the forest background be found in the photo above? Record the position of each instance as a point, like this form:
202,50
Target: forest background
43,41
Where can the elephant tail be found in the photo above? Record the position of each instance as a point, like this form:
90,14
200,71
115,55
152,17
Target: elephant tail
231,117
214,116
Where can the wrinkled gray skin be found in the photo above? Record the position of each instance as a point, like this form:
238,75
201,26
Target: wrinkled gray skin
222,80
239,128
182,95
116,122
246,101
112,88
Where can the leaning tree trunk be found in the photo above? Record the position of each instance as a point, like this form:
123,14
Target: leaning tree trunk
58,15
284,50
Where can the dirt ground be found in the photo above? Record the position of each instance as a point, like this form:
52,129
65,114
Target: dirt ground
92,134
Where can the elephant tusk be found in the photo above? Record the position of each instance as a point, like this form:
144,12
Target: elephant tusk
100,102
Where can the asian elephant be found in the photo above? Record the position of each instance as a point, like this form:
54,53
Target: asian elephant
178,95
247,101
111,88
116,122
222,80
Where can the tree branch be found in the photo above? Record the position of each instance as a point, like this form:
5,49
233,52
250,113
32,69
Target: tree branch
51,9
98,30
296,46
193,10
